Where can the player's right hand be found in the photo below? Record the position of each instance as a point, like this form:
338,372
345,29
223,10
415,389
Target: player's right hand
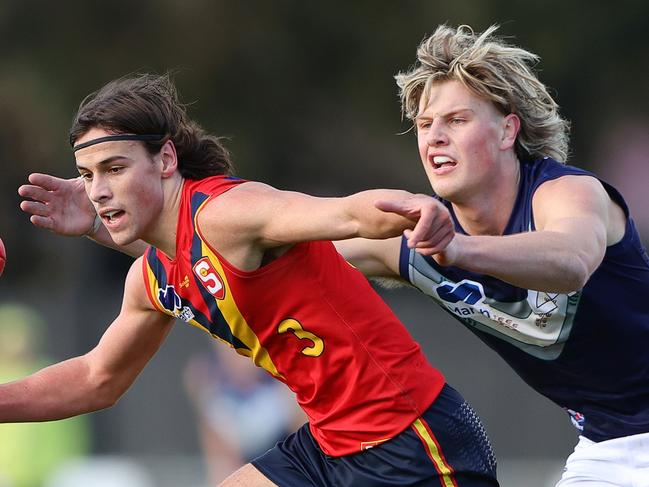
434,228
59,205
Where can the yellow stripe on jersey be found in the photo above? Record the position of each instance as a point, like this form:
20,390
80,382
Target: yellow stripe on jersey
154,287
433,450
237,323
230,311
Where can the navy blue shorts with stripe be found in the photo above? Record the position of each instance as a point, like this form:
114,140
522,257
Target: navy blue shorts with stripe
446,447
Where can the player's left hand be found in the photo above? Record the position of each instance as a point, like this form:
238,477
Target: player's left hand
434,228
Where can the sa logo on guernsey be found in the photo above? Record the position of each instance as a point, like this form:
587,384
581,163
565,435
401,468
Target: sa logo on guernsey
210,279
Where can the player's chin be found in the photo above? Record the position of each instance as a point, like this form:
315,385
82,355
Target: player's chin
122,238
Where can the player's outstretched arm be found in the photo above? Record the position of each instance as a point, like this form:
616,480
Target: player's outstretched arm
575,221
272,217
99,378
62,206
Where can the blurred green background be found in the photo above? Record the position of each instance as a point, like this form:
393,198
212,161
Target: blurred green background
304,91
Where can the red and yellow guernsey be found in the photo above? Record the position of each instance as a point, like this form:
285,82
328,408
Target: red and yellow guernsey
308,318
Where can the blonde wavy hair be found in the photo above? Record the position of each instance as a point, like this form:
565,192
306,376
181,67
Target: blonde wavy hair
494,71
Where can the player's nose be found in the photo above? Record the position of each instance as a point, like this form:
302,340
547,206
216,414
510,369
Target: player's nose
436,134
99,190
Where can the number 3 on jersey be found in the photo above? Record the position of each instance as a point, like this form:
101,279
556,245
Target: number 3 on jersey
295,327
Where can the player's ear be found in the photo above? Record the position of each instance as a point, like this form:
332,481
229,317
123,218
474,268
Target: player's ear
511,126
169,159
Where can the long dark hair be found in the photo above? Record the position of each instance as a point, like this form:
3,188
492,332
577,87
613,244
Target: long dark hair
147,104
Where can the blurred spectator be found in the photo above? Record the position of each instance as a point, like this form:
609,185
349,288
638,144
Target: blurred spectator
242,411
29,452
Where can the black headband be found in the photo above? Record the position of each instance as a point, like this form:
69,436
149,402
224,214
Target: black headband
110,138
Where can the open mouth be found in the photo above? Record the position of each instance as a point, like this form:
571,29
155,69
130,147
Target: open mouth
112,217
442,161
442,164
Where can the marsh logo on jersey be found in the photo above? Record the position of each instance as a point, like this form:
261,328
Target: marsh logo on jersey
464,299
169,299
538,323
465,291
210,279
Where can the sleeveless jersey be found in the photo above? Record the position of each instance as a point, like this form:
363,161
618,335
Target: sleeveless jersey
588,351
309,319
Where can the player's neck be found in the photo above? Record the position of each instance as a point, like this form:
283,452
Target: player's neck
162,234
489,211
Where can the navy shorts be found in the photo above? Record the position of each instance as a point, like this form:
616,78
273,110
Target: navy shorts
446,447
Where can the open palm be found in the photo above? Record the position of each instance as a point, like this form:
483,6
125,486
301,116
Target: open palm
59,205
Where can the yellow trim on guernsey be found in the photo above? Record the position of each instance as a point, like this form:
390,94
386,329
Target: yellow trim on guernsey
233,317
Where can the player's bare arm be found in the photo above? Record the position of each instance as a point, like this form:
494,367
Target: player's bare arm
374,258
254,217
277,218
62,206
575,221
99,378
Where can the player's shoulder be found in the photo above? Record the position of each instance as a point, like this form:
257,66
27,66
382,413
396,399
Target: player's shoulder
238,203
571,186
234,217
539,171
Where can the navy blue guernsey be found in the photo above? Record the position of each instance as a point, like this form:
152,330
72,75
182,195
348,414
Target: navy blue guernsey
588,351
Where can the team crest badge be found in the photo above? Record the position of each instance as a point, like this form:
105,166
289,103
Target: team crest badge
209,278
